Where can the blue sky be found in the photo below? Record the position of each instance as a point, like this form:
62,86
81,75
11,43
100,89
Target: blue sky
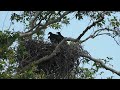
100,47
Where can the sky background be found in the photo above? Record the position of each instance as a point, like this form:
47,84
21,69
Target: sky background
100,47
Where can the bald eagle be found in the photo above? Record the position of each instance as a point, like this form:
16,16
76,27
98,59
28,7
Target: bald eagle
60,36
54,38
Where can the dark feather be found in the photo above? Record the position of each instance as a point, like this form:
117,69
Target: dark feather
55,38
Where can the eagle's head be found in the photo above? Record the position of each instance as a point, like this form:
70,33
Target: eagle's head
50,33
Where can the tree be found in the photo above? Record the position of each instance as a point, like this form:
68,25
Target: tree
36,58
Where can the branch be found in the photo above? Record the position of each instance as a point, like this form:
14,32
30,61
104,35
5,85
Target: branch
101,63
45,25
91,36
34,19
97,33
93,24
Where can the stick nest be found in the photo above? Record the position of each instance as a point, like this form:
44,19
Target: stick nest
58,67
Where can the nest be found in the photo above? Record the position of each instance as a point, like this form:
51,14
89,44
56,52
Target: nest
57,67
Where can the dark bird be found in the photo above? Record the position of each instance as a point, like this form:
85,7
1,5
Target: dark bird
55,38
60,36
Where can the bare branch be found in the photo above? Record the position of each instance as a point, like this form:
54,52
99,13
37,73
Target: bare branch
98,33
91,36
93,24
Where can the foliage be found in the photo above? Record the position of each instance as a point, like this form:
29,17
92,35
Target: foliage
7,54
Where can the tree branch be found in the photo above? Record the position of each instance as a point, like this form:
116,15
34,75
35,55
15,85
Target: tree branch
101,63
97,33
44,26
91,36
93,24
34,19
